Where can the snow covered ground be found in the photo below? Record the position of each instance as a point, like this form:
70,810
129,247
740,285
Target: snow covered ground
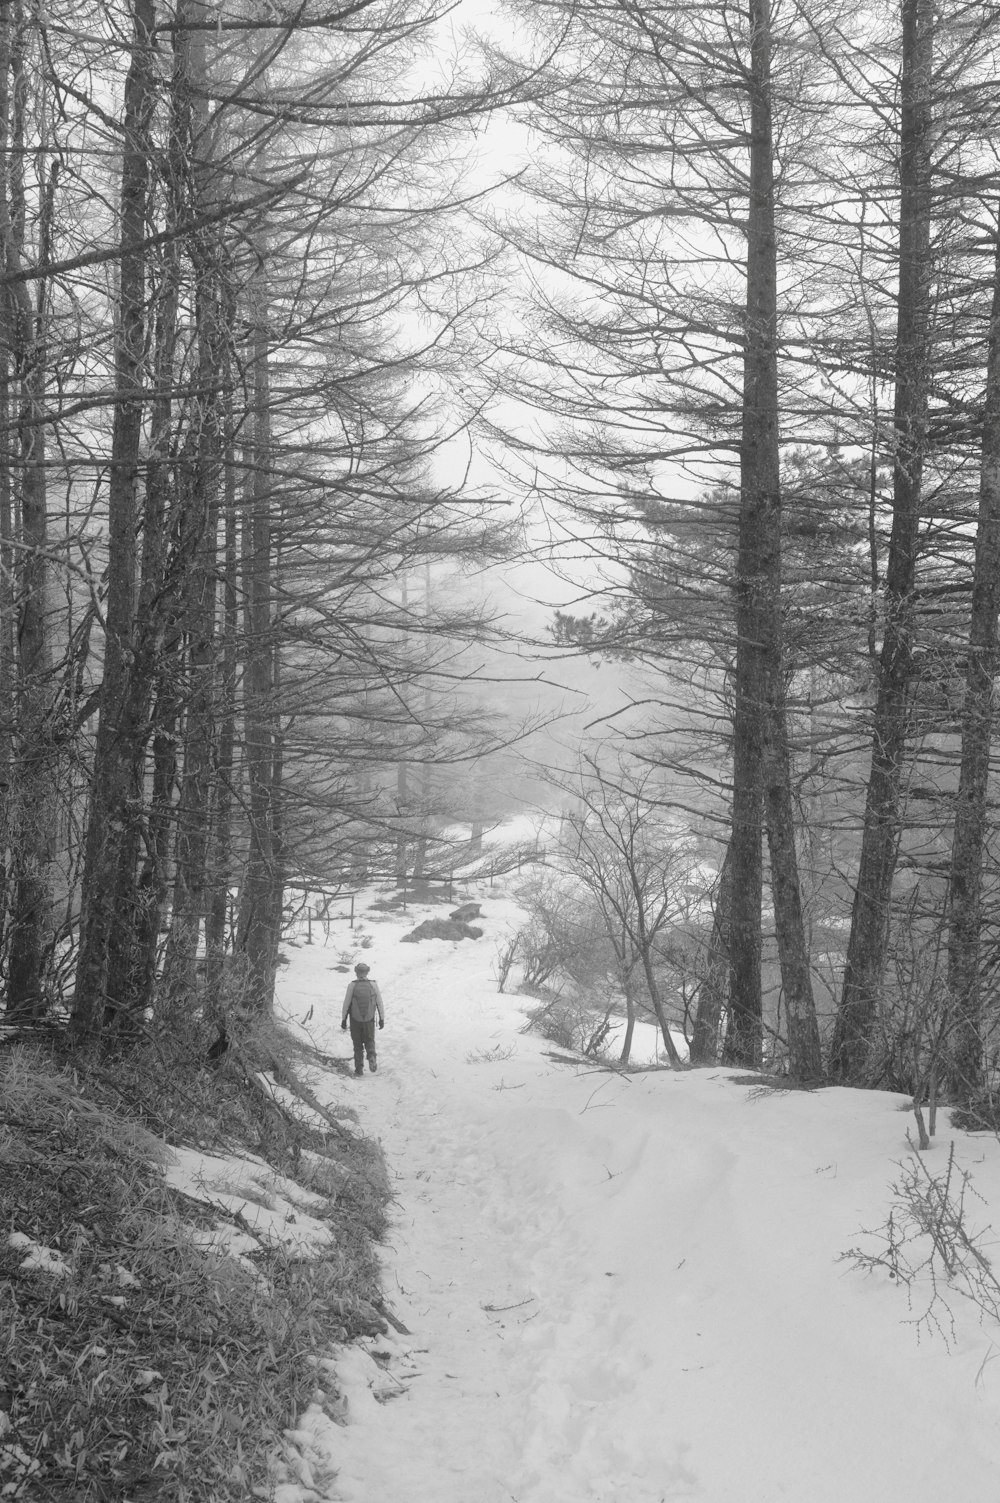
626,1289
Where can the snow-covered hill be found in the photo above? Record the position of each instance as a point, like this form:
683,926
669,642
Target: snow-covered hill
627,1288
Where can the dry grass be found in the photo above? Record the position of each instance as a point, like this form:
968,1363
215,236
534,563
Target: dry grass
151,1368
490,1056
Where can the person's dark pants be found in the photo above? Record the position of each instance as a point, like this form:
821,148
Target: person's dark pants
363,1039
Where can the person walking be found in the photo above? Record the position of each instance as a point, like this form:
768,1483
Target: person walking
361,1005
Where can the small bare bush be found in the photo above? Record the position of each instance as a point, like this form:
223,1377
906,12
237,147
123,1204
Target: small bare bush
928,1246
558,1021
572,1022
506,955
540,954
564,943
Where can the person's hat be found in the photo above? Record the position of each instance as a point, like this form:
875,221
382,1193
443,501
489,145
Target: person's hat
362,969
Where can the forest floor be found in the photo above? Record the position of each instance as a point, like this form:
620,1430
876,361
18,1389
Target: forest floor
597,1286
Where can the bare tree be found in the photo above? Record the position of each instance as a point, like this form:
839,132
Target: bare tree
639,871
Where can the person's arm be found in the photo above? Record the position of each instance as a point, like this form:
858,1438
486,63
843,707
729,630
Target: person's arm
378,1005
347,1004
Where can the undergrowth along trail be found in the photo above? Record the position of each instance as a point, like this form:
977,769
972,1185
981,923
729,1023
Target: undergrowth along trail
153,1319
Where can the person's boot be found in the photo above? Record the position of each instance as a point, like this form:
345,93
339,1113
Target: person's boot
373,1064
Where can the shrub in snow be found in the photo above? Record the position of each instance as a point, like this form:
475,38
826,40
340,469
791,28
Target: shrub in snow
506,956
929,1246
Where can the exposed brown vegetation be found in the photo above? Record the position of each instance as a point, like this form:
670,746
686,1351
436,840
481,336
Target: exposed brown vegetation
140,1365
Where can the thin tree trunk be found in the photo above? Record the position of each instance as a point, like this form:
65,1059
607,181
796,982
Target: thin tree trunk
965,1064
191,852
629,991
191,849
153,886
254,938
402,804
643,940
805,1060
402,773
200,481
657,1001
221,863
133,964
712,994
133,945
7,613
278,865
869,936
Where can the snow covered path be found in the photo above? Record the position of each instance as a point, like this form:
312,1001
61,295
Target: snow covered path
628,1288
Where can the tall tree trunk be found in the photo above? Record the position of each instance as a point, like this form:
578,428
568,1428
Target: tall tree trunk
965,1064
193,824
34,764
133,962
134,939
644,945
8,315
761,459
254,937
200,481
153,886
758,557
805,1060
742,1044
402,772
279,868
217,913
868,941
191,848
116,791
761,764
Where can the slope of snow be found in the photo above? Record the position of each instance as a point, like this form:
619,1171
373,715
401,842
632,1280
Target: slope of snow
625,1287
275,1210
